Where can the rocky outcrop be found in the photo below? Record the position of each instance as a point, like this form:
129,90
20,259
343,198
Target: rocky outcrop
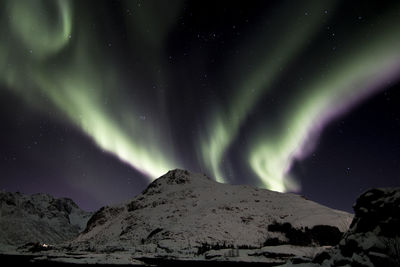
374,235
318,235
38,218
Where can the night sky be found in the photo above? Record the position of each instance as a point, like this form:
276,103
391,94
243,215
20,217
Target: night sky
98,98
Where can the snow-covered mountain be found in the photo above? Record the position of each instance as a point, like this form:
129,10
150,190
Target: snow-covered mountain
185,214
38,218
188,217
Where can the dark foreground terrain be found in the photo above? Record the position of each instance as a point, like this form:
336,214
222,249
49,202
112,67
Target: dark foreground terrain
26,260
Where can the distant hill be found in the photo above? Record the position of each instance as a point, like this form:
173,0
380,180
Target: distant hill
38,218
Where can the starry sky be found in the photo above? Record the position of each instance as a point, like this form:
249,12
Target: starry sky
99,98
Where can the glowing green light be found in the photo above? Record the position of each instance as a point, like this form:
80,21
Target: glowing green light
75,81
31,22
278,49
355,74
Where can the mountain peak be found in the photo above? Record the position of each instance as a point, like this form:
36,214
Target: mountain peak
181,211
180,176
176,178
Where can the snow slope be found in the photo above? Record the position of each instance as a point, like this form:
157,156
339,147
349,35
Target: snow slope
38,218
182,212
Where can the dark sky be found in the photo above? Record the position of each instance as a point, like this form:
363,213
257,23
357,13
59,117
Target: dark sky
98,98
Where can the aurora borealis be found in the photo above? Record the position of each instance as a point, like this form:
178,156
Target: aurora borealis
98,98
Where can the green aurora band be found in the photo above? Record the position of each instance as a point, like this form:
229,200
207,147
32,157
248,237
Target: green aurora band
226,121
357,72
55,56
78,83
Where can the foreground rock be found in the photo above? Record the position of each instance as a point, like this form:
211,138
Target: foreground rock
374,235
38,219
187,215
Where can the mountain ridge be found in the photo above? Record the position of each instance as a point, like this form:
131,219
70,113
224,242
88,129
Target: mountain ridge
185,217
181,211
38,218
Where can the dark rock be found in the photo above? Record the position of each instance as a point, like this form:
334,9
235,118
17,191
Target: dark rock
100,217
380,259
322,235
374,234
154,232
135,205
272,242
97,218
343,262
152,188
177,176
350,247
358,264
320,257
326,235
378,207
299,260
8,198
280,227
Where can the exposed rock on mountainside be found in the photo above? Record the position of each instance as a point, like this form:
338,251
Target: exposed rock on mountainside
38,218
184,214
374,235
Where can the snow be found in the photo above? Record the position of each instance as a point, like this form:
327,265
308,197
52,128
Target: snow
38,218
191,209
308,264
93,258
300,251
177,216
